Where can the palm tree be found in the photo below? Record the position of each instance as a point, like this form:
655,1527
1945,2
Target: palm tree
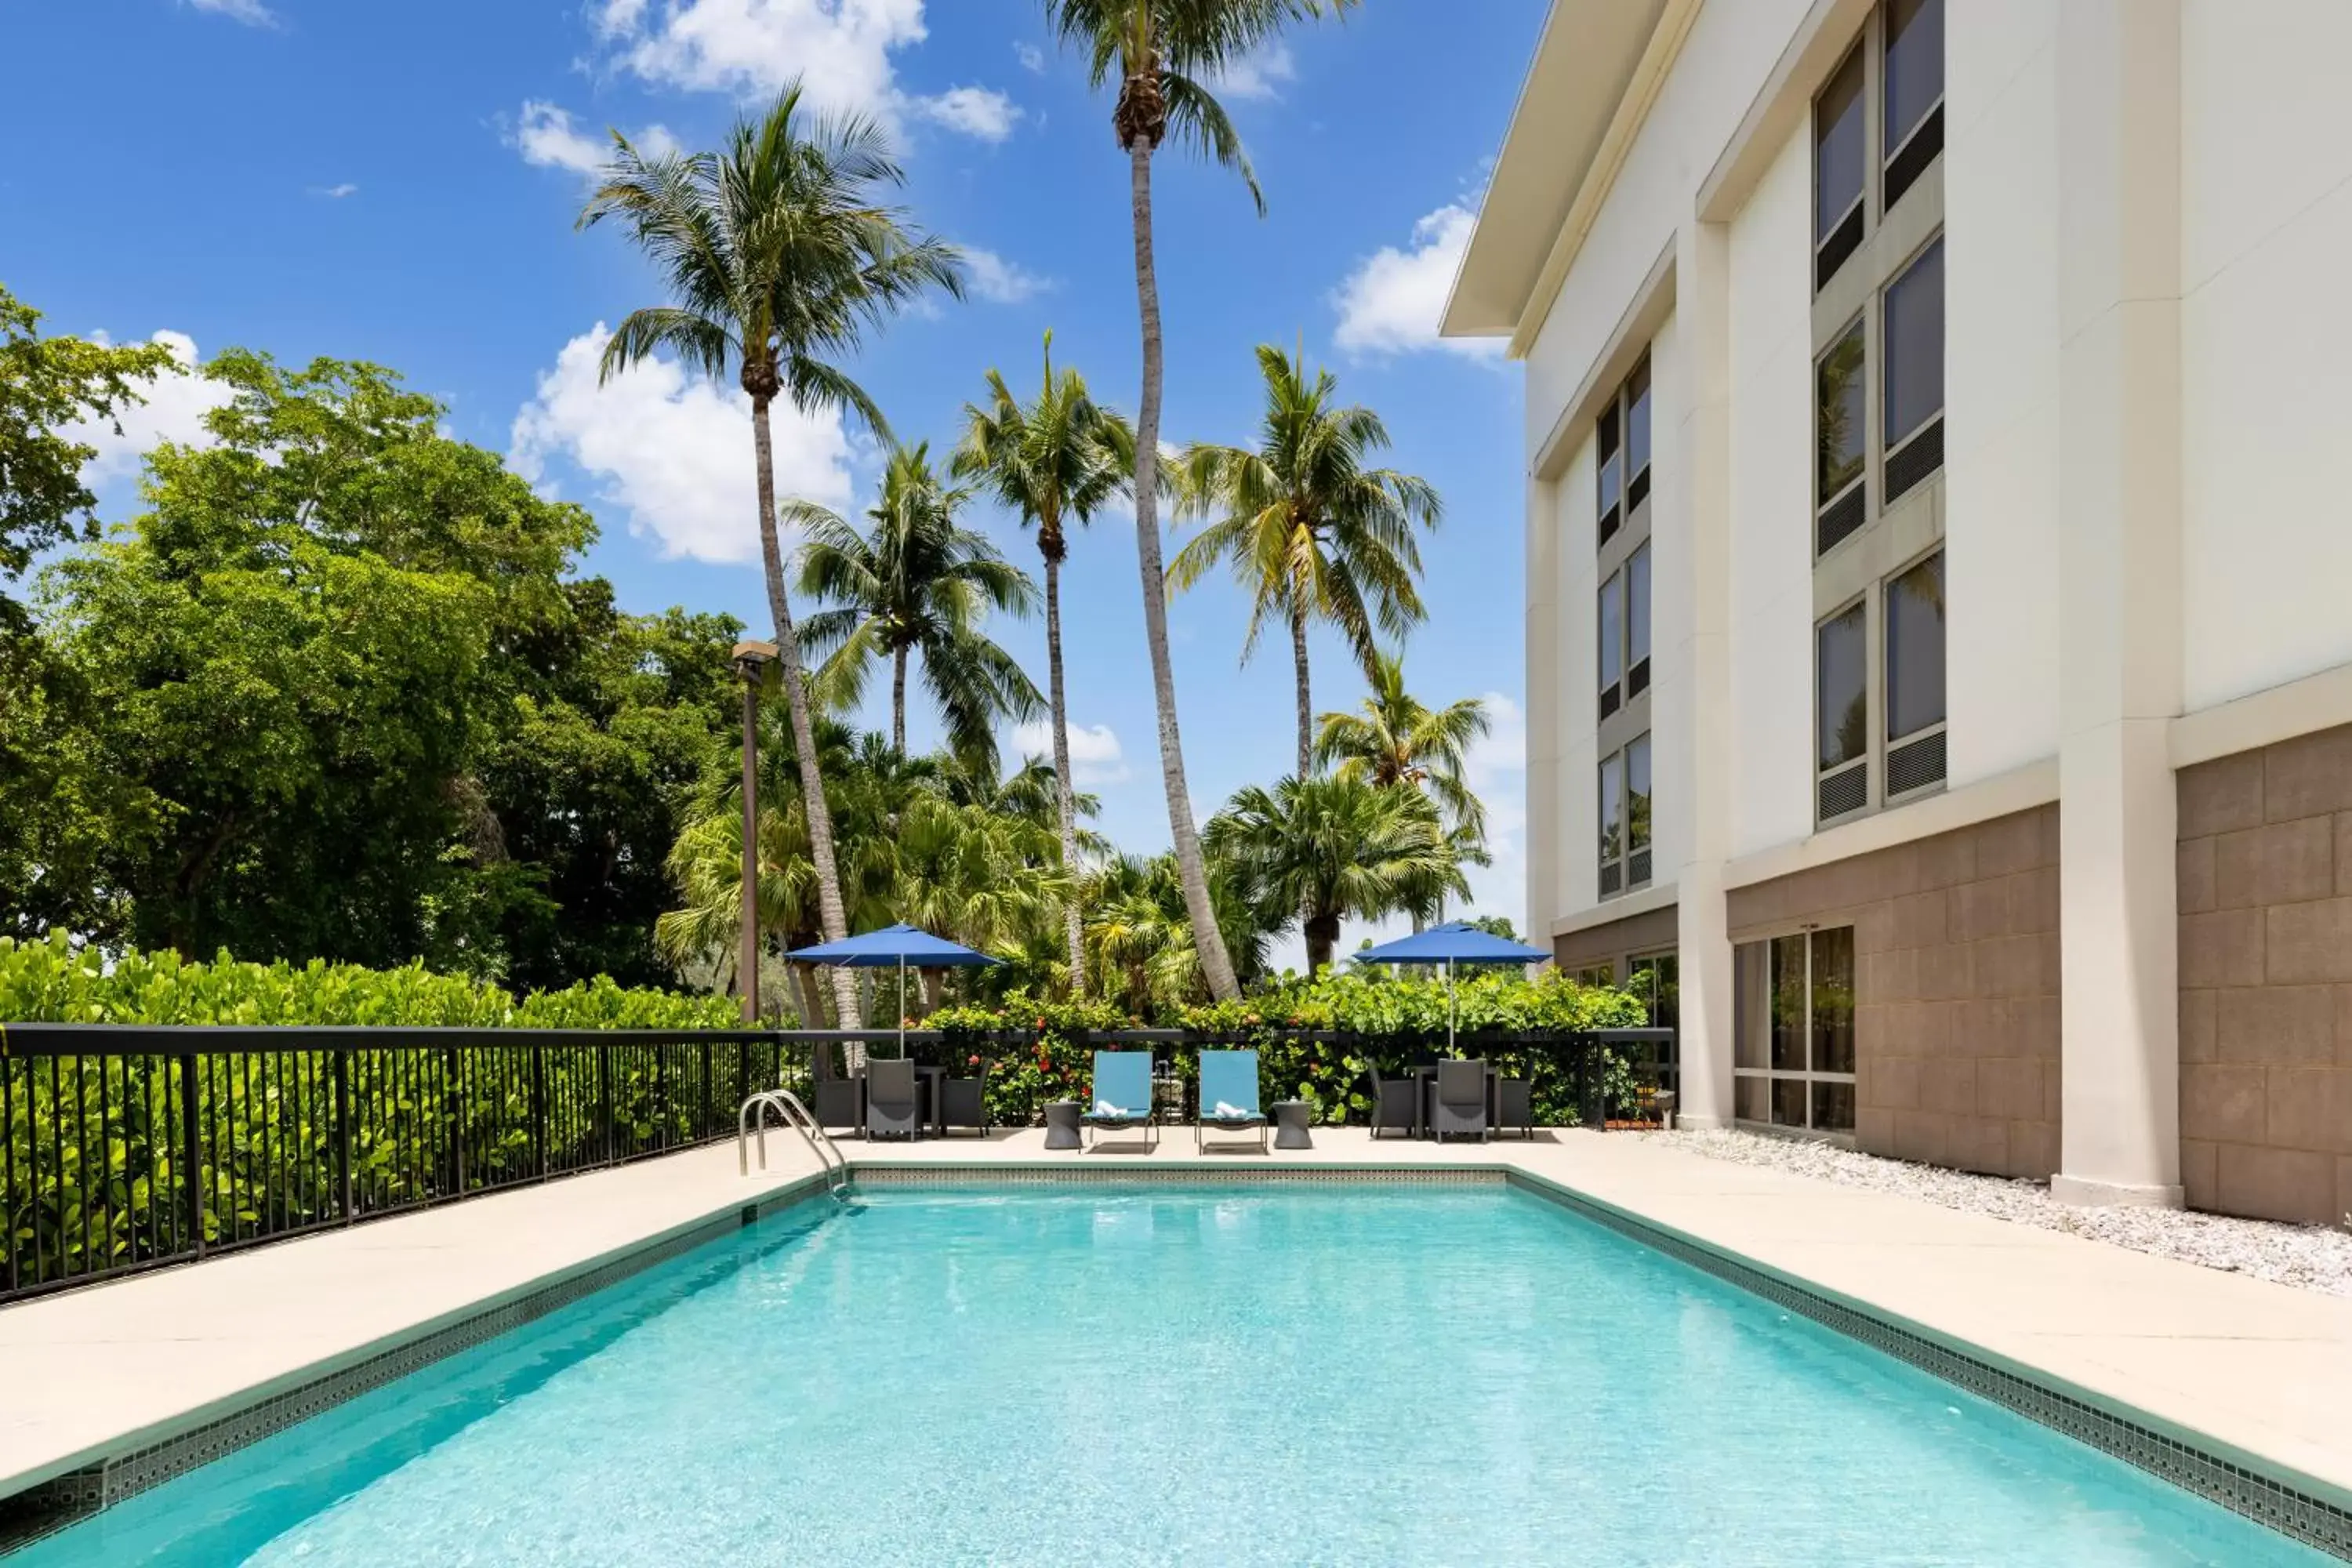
1325,848
1394,738
1164,53
778,258
918,583
1139,936
1310,532
1054,462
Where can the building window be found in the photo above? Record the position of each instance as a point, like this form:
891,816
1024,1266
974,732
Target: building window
1915,678
1862,168
1613,825
1621,446
1625,818
1841,712
1637,623
1838,163
1613,475
1841,407
1793,1016
1913,115
1915,372
1612,643
1637,436
1656,979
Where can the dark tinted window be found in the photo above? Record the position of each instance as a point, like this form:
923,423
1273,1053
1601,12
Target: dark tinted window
1914,66
1914,344
1834,1000
1915,649
1789,1008
1839,411
1637,605
1612,807
1612,629
1837,146
1637,793
1612,478
1637,420
1840,657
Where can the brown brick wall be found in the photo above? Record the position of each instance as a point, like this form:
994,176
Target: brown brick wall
2265,900
1955,979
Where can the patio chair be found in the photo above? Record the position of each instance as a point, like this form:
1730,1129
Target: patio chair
1460,1103
1392,1107
894,1106
963,1102
1515,1106
1229,1101
1122,1098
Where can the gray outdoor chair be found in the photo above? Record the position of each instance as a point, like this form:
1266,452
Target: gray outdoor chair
963,1102
1460,1108
1392,1107
894,1108
1515,1106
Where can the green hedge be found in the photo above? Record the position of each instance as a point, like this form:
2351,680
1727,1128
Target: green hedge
1387,1021
51,982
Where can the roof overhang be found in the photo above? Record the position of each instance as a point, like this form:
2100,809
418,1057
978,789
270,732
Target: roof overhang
1597,66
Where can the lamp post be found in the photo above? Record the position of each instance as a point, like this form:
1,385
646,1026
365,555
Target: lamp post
750,658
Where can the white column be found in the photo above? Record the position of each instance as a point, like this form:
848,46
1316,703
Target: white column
2119,591
1703,317
1543,608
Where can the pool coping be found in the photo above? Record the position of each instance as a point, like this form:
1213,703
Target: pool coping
2279,1497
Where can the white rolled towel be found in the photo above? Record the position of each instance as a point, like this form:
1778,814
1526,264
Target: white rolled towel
1230,1113
1105,1108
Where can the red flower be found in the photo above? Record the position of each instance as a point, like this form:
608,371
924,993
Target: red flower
974,1062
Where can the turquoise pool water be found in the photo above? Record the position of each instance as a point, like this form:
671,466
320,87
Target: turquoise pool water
1237,1375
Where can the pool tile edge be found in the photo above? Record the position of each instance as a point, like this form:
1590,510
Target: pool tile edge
150,1457
2302,1508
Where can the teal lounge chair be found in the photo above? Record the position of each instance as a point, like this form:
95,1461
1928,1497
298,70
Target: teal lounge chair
1228,1097
1122,1097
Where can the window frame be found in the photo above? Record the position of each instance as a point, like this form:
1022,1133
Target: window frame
1629,857
1879,696
1752,1027
1891,445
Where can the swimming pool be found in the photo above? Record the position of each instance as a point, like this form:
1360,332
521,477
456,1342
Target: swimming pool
1244,1374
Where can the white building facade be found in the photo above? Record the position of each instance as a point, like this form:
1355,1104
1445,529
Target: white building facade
1939,575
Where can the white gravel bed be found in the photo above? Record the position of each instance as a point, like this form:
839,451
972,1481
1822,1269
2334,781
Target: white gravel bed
2311,1258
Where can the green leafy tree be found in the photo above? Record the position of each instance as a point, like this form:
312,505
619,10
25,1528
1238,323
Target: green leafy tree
1310,532
778,257
1139,935
1163,53
917,583
1395,740
1329,848
1054,462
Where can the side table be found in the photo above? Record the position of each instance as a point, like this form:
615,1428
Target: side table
1290,1119
1061,1124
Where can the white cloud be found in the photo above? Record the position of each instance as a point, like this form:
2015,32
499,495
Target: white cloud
1096,756
994,279
1390,303
174,411
839,50
977,111
1032,58
674,451
545,135
335,192
1258,74
252,13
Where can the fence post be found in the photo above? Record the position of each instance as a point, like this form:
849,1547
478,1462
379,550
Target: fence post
661,1094
453,1122
343,1129
192,1155
702,1128
539,1108
605,1093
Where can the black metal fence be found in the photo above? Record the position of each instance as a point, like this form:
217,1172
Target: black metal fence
123,1147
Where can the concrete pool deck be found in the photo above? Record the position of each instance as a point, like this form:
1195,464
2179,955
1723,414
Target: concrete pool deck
92,1374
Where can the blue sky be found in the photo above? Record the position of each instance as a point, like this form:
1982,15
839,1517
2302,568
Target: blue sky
398,183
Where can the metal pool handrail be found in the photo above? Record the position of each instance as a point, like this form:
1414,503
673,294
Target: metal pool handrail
751,1120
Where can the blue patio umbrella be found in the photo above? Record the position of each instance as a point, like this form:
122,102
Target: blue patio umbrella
1456,941
898,946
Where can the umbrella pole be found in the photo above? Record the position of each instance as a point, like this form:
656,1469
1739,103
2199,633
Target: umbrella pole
1450,1047
902,1006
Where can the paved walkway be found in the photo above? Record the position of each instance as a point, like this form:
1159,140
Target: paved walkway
2258,1366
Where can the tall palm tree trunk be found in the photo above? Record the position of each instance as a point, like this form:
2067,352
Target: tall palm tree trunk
1305,702
1216,968
1065,808
830,913
899,700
